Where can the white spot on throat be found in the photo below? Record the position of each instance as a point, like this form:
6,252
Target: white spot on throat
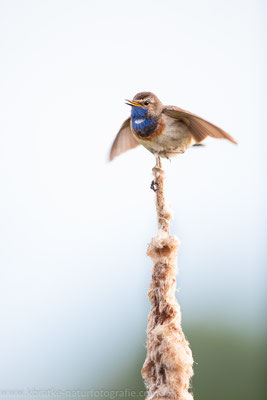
139,121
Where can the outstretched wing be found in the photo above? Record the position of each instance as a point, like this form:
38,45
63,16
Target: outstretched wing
199,127
123,141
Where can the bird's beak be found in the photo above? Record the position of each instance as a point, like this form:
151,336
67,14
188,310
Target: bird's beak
132,103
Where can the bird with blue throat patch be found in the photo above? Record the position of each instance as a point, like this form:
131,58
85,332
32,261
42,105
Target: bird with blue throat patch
163,130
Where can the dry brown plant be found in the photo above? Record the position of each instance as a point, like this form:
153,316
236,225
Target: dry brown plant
168,366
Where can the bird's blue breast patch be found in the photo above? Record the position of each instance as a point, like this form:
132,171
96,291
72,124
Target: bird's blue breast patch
142,124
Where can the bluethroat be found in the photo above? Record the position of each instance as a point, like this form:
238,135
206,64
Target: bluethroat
164,130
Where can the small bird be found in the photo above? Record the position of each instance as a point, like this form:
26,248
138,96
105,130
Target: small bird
163,130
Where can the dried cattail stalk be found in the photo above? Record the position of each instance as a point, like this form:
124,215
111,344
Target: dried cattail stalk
168,366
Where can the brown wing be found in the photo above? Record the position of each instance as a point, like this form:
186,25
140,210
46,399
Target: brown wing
123,141
199,127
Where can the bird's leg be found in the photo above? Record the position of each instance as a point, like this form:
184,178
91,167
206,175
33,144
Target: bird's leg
158,161
154,185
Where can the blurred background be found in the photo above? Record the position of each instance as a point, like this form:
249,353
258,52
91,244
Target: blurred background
74,229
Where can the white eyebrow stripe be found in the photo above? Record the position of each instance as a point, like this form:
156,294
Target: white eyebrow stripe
139,121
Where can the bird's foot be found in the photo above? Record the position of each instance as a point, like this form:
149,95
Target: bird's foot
154,186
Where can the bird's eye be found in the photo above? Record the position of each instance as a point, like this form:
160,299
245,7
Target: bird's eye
146,103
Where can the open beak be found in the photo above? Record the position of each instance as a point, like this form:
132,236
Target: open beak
132,103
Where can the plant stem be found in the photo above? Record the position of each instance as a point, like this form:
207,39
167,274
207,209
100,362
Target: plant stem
168,366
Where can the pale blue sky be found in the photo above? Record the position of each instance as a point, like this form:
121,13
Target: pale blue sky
73,228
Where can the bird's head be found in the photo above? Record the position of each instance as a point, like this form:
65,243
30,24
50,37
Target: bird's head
145,104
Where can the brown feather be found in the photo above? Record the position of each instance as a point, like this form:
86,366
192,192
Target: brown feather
199,127
124,140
